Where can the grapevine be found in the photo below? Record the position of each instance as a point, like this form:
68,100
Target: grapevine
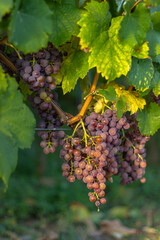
114,52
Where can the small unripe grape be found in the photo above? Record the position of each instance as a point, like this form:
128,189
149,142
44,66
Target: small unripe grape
43,95
47,99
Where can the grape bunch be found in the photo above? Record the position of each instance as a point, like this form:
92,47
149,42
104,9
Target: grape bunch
38,70
109,146
154,98
133,166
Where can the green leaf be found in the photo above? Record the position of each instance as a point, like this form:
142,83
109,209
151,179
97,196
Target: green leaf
153,3
73,68
110,57
132,100
113,8
155,21
153,36
128,5
93,22
5,7
16,120
17,125
109,93
157,59
24,89
141,73
149,119
8,156
120,107
134,26
65,18
156,83
31,23
84,85
3,81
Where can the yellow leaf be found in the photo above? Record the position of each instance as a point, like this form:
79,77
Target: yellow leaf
133,102
142,51
99,105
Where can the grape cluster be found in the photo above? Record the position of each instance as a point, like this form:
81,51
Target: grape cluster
110,146
37,70
133,166
154,98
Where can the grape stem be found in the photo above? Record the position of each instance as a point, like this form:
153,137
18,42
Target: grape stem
7,62
87,102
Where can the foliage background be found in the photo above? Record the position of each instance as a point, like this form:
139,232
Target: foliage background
39,202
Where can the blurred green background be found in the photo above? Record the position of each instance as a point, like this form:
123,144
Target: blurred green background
41,205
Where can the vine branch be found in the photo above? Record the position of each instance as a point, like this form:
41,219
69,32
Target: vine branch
133,7
7,62
87,102
61,114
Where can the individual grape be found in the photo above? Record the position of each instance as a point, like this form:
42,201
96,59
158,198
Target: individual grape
92,198
56,68
61,134
65,173
89,179
44,106
76,141
40,79
26,77
48,70
102,200
89,185
47,99
71,178
37,68
78,171
43,63
97,203
112,131
89,167
49,79
28,69
95,185
101,194
35,73
102,186
43,144
24,64
31,80
65,167
82,164
85,173
37,100
46,150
